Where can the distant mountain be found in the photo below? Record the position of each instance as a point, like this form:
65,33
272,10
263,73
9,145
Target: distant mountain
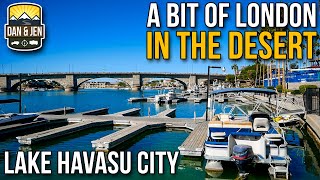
13,18
35,18
24,16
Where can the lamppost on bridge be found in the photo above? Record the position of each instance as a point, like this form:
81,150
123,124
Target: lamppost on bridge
208,86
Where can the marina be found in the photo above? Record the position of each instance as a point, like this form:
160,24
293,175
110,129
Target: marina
134,124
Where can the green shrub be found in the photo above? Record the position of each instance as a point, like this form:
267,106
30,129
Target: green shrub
297,91
270,87
279,88
287,90
303,88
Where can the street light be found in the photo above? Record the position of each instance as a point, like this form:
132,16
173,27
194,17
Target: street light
208,86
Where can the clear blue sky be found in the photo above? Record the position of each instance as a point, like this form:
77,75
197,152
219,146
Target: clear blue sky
104,36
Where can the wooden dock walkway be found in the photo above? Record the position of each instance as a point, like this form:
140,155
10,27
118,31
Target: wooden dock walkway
168,113
60,131
129,112
108,142
194,144
101,111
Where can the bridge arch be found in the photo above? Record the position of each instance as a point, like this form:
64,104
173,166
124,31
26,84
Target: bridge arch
15,85
81,81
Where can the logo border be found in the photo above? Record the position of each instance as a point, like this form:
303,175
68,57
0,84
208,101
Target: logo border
41,23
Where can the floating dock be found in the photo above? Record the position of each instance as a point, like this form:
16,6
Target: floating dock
108,142
169,113
194,144
102,111
58,132
58,111
20,127
178,100
129,112
138,99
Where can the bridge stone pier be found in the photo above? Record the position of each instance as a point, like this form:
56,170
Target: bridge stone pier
72,81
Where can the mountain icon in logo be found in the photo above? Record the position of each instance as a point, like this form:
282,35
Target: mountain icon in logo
24,19
13,18
35,18
24,16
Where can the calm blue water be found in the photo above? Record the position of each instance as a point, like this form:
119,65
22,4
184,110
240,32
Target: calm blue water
83,100
305,155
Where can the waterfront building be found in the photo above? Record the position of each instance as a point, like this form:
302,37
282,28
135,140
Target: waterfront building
95,85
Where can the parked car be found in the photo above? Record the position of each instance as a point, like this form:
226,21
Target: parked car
15,43
33,42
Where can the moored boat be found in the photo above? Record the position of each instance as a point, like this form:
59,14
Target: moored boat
12,118
249,140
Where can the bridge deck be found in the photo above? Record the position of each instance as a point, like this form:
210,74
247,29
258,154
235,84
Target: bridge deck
108,142
194,144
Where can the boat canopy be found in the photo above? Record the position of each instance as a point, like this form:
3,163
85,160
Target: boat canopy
252,90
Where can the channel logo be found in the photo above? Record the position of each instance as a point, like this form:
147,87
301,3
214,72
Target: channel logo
24,30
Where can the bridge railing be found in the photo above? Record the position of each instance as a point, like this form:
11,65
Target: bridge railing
77,73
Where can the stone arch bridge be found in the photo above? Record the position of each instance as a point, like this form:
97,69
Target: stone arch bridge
72,81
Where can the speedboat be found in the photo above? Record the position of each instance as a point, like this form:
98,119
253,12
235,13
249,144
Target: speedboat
12,118
252,139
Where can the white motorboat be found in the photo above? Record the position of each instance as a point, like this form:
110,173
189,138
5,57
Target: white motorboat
165,97
12,118
171,95
246,140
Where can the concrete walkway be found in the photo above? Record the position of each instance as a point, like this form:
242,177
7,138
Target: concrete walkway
313,122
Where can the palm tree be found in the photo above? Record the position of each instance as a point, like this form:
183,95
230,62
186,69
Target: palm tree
260,66
235,69
271,76
284,29
256,77
271,30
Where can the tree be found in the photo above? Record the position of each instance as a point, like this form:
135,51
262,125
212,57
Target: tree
271,30
257,62
235,69
122,84
230,78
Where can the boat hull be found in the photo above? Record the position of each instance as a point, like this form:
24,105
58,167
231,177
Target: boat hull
15,120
